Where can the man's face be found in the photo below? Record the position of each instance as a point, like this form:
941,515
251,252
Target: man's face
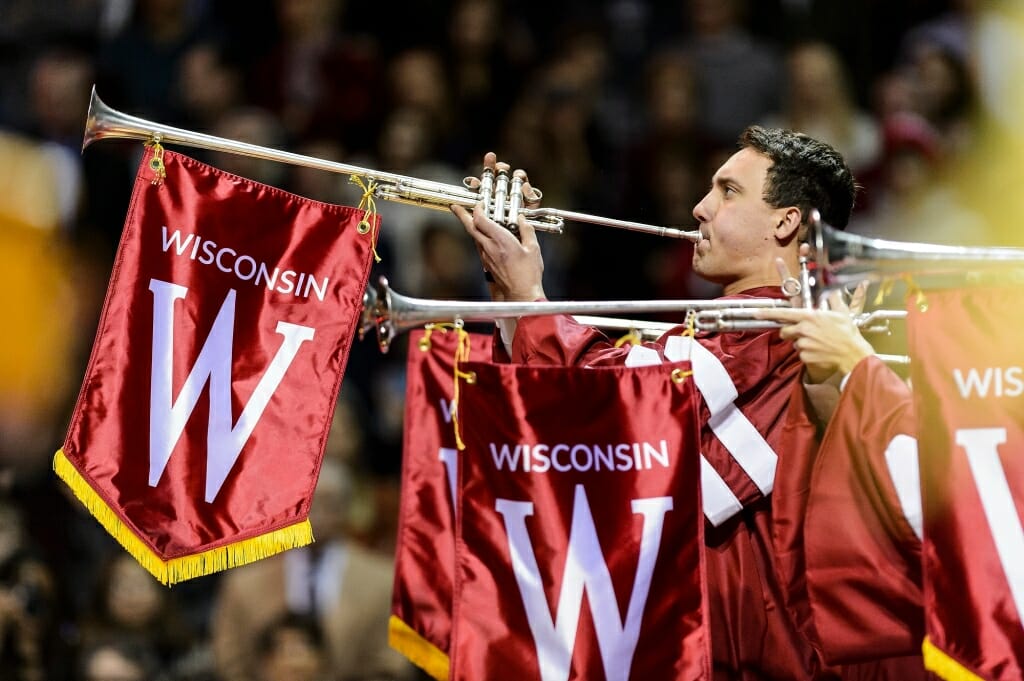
735,221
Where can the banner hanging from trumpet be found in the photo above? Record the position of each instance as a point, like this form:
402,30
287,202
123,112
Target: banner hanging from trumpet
197,436
421,610
579,527
971,434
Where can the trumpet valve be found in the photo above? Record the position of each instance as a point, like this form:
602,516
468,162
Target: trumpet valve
515,202
500,195
487,188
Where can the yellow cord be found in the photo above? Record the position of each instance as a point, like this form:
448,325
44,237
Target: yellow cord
368,203
691,325
633,338
156,163
886,286
429,329
884,289
679,375
914,290
461,355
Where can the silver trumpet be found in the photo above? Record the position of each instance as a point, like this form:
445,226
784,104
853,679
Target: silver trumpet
843,258
392,313
500,192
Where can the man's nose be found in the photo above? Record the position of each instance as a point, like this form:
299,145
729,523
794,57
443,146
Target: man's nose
701,212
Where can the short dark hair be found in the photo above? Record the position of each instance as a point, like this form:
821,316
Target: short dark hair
804,173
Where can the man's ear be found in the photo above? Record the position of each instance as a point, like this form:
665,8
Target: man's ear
789,223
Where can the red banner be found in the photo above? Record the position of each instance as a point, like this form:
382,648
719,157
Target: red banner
864,583
968,388
421,610
198,433
580,533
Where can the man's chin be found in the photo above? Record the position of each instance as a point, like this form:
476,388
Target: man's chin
706,271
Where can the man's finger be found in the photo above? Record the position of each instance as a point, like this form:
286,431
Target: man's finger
836,302
531,195
527,234
788,332
782,314
464,217
857,300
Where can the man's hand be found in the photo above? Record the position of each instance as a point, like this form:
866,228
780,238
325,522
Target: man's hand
827,339
516,265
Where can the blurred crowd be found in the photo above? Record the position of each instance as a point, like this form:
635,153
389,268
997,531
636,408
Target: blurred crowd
621,108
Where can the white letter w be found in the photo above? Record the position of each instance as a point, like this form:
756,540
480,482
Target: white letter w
585,568
167,417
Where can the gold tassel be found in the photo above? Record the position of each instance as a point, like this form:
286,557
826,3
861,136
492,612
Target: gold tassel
368,203
179,569
156,163
679,375
417,649
633,338
943,665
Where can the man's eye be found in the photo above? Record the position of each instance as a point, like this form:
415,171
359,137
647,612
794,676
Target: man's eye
727,190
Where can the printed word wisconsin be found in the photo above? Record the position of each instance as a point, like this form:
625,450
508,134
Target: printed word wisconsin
991,381
245,267
541,458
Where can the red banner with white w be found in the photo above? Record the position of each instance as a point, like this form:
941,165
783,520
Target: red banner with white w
579,525
968,375
421,609
198,433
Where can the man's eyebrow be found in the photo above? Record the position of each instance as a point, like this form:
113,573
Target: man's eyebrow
725,180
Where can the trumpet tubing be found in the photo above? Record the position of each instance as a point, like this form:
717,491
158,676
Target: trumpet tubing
744,319
392,313
505,202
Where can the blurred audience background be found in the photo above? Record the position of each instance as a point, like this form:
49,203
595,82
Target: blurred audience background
621,108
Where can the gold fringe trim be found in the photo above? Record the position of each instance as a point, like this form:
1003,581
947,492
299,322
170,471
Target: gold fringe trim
945,666
417,649
186,567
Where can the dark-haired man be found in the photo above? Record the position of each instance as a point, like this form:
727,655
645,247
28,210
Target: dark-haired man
754,214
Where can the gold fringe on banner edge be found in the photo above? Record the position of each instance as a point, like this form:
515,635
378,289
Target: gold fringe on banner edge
176,570
935,660
417,649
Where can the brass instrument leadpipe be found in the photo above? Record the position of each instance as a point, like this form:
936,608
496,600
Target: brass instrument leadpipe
104,122
743,319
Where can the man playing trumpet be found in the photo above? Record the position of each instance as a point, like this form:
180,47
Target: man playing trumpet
754,215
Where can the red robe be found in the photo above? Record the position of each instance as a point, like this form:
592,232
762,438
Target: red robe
758,612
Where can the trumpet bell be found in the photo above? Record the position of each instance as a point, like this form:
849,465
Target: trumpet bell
846,258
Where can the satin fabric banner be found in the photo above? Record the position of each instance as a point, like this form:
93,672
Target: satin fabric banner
579,531
967,361
197,436
421,609
864,582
